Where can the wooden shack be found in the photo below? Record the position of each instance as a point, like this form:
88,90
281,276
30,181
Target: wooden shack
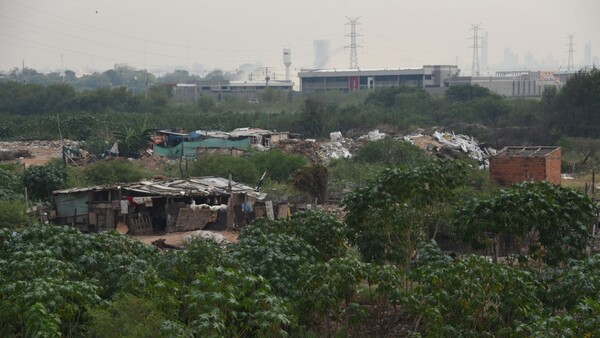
158,206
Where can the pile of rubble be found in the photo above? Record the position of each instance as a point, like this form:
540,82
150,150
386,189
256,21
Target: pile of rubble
373,135
309,149
440,140
337,147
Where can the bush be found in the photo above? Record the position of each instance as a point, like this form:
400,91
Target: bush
390,151
40,181
12,214
112,172
126,316
278,165
11,186
241,169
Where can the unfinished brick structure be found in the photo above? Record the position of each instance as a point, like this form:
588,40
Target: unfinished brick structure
518,164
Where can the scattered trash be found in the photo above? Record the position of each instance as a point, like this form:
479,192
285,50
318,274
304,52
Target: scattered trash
217,237
374,135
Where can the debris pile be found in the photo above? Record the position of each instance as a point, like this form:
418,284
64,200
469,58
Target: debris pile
294,146
443,140
338,147
373,135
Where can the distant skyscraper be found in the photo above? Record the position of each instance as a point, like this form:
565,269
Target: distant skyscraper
484,52
511,60
321,48
587,54
529,61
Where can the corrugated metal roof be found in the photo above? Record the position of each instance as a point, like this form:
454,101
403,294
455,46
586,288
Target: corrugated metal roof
536,151
208,185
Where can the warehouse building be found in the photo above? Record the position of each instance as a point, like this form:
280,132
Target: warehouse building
350,80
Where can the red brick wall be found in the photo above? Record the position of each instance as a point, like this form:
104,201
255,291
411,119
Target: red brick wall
553,167
508,170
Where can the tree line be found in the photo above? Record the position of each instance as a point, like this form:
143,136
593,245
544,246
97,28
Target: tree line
569,112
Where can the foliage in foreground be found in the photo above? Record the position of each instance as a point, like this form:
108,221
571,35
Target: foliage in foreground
549,221
302,276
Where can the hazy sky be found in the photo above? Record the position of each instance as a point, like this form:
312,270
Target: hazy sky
97,34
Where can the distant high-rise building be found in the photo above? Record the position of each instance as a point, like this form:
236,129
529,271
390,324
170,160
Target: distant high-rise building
321,48
529,61
511,60
587,54
484,52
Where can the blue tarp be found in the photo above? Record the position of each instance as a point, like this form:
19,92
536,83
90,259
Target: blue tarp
189,148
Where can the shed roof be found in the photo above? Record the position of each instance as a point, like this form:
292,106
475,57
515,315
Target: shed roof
536,151
208,185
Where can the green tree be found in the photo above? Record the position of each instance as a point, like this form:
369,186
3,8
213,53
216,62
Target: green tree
279,166
311,119
391,151
231,303
12,214
387,217
205,103
11,187
133,138
277,257
112,172
319,229
550,221
241,169
312,179
126,316
40,181
467,92
473,297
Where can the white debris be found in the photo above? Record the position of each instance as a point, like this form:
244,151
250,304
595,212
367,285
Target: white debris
335,149
335,136
372,136
410,138
466,144
218,238
566,177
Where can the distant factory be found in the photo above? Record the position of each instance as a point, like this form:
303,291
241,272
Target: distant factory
351,80
435,79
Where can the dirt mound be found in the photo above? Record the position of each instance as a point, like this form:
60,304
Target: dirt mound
300,147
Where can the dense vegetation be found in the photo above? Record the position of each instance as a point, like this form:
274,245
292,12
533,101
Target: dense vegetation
377,272
93,115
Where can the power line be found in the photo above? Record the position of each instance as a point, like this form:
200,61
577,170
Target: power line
353,46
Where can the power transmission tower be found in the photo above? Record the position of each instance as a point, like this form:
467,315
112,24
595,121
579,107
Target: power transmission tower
353,46
571,37
475,64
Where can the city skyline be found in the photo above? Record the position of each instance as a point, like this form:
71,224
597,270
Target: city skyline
91,35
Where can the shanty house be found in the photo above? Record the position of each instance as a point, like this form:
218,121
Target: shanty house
200,144
517,164
158,206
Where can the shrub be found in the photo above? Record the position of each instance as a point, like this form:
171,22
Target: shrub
112,172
